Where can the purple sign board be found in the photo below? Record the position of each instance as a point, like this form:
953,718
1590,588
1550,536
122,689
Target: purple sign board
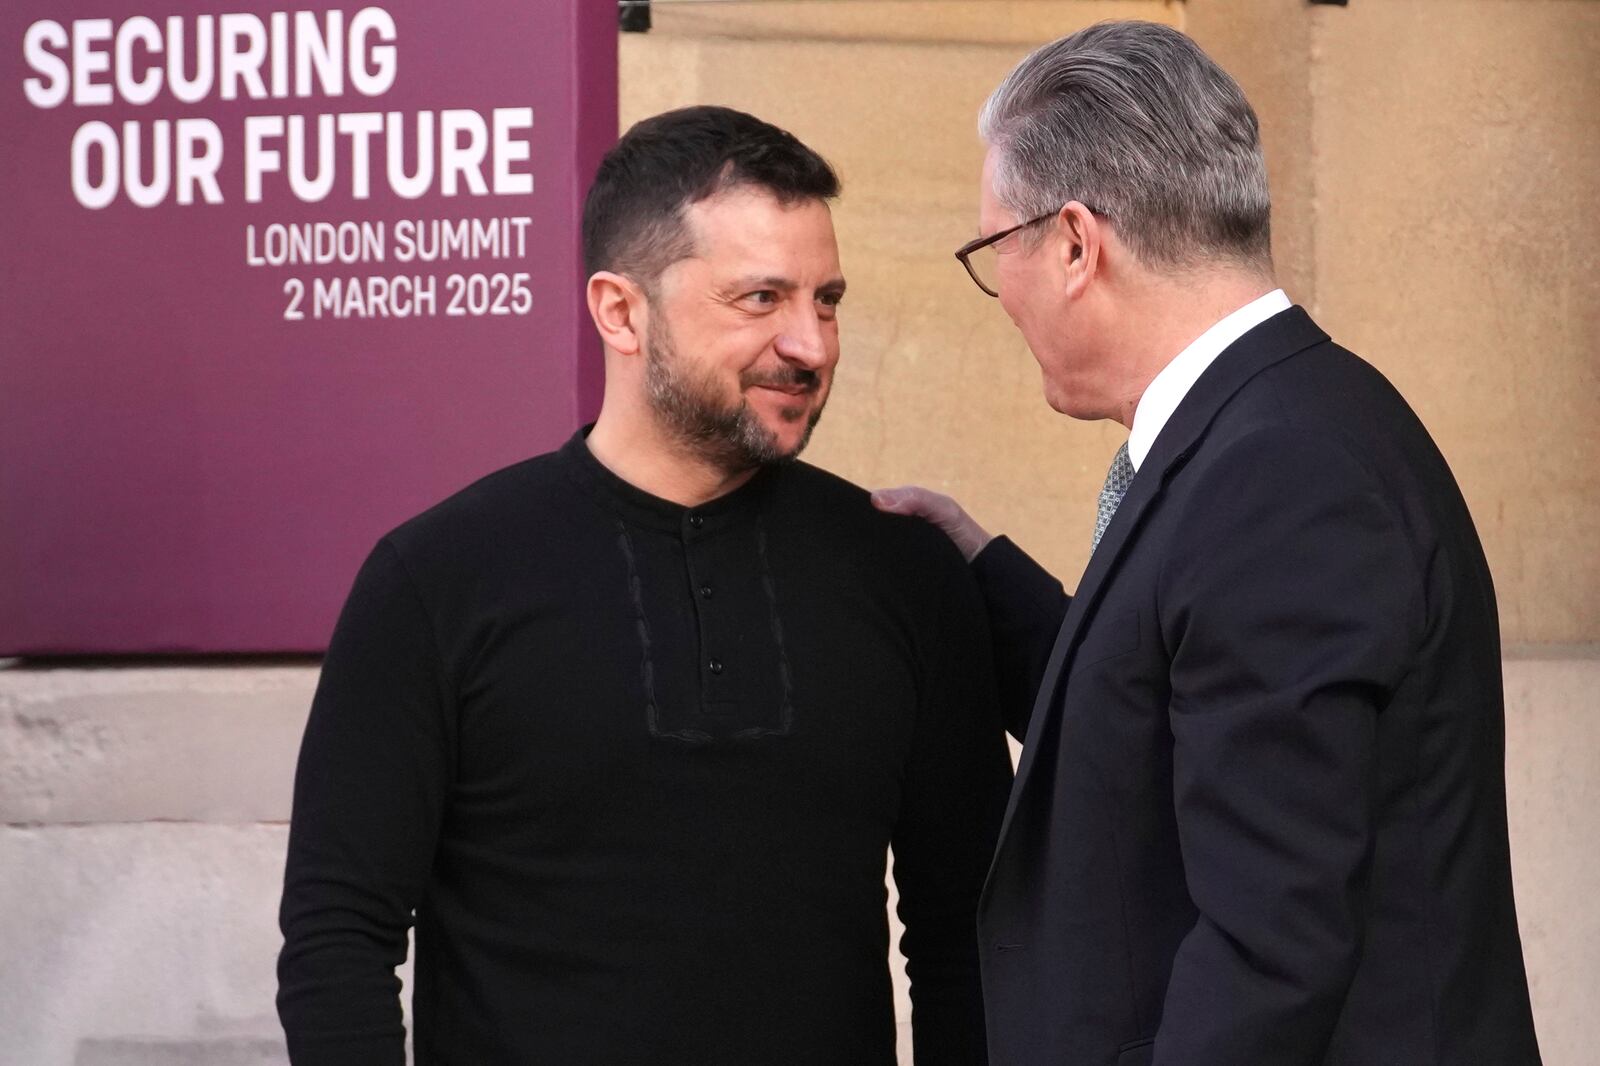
271,281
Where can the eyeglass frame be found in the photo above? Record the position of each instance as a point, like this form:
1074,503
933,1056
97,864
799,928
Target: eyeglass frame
977,244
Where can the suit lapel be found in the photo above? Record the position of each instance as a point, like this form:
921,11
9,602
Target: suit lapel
1141,494
1279,337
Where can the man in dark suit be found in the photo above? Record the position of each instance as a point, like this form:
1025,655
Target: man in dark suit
1260,814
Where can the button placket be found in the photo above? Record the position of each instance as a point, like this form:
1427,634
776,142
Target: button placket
738,665
712,666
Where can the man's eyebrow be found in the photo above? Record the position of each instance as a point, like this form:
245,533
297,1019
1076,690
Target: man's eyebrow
781,284
768,281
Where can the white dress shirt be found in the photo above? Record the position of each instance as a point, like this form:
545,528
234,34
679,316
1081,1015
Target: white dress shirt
1170,386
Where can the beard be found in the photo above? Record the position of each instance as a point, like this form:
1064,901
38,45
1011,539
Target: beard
728,437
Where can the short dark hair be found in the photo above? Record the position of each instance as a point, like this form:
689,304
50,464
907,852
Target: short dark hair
633,216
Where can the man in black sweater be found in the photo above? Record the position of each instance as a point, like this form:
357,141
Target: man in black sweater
630,727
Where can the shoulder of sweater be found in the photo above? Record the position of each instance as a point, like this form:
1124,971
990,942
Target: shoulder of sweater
912,539
511,494
813,479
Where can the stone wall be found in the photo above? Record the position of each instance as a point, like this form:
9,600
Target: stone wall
1434,167
141,859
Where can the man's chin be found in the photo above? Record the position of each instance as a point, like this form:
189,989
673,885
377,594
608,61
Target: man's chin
781,447
1070,402
791,421
782,440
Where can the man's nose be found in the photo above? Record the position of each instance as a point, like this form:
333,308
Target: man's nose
804,339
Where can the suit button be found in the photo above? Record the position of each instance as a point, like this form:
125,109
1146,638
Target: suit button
705,592
715,666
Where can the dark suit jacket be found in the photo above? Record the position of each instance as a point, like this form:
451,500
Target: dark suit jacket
1260,815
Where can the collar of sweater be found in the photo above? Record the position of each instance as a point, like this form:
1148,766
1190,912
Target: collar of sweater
638,507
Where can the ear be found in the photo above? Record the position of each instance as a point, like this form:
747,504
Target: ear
1082,238
618,308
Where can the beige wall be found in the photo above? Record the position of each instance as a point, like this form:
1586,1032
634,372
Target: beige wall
1458,249
935,385
1435,168
1434,163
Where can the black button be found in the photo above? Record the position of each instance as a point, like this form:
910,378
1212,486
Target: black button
695,521
705,592
715,666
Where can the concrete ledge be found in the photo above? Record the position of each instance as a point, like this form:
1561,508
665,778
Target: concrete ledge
141,1052
1553,801
125,939
1019,22
189,743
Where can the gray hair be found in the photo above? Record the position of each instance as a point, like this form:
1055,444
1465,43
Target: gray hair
1135,121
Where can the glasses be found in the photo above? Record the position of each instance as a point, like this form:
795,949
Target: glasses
981,258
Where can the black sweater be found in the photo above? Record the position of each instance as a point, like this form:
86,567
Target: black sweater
635,768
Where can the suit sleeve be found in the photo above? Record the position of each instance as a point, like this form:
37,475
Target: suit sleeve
1026,606
956,783
368,796
1293,606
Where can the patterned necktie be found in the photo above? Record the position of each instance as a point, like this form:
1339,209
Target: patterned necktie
1118,478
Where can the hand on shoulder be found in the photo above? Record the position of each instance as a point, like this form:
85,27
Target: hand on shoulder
939,509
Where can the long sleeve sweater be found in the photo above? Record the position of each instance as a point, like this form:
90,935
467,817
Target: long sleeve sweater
631,770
